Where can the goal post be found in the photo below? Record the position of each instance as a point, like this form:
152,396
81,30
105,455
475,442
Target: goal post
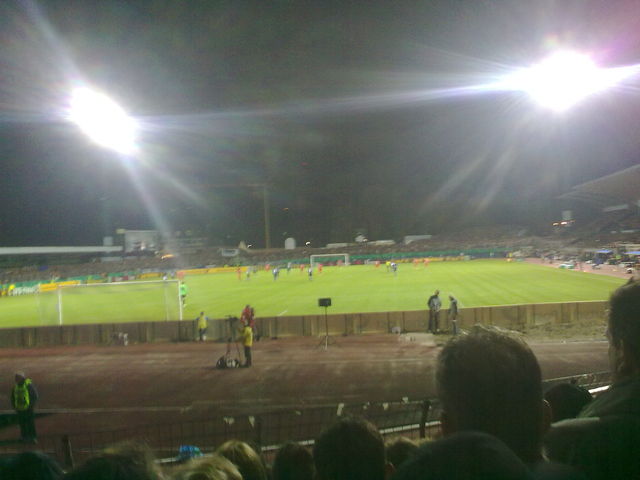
317,258
117,302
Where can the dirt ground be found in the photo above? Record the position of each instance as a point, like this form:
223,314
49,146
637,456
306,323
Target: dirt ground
110,388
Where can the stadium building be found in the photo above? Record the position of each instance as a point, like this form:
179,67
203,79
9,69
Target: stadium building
604,211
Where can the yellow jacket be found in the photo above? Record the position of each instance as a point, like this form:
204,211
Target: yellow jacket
246,335
202,322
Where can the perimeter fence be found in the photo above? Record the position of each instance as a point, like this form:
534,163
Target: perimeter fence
268,430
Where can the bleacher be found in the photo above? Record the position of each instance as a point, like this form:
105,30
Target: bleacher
478,241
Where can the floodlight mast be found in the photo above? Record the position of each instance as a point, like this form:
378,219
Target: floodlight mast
265,206
103,120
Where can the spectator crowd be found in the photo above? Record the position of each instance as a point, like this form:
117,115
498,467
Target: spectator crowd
605,230
512,238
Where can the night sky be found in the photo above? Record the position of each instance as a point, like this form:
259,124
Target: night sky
337,106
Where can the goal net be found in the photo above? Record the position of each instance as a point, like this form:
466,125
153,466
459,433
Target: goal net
329,257
118,302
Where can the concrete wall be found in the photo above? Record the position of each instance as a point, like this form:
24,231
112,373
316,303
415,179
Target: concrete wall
515,317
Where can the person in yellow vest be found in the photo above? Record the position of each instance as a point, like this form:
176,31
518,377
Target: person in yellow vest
202,326
246,337
23,400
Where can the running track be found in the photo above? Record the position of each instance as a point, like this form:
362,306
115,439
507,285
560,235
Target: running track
108,388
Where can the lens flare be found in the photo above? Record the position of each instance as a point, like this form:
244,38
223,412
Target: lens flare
562,80
104,121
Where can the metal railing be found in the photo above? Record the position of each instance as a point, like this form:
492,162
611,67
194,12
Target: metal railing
268,429
586,380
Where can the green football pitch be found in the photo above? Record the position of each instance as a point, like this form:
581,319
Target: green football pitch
352,289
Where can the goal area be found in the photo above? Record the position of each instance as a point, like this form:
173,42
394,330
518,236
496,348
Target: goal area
328,257
117,302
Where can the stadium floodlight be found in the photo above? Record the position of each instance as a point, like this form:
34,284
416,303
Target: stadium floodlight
103,120
563,79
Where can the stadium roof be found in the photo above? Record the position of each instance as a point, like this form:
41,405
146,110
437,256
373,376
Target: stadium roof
58,250
619,187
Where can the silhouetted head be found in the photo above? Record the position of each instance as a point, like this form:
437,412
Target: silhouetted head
490,381
623,330
293,462
350,449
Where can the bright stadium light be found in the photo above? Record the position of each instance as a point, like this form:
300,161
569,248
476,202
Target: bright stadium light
104,121
563,79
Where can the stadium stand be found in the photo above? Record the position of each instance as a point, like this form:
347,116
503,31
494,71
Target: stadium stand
606,214
477,242
606,209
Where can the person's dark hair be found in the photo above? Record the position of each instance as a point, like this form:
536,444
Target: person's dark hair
31,465
624,318
350,449
293,462
566,400
399,450
243,456
490,381
124,461
110,467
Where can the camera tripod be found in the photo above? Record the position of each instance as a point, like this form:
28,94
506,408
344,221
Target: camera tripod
231,324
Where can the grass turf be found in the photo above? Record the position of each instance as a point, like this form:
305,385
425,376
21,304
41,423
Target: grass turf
352,289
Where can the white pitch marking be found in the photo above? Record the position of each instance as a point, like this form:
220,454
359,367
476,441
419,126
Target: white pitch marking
283,312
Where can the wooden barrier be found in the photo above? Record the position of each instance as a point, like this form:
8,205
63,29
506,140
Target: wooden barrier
514,317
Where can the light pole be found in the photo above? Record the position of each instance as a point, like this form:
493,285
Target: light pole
267,218
265,205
